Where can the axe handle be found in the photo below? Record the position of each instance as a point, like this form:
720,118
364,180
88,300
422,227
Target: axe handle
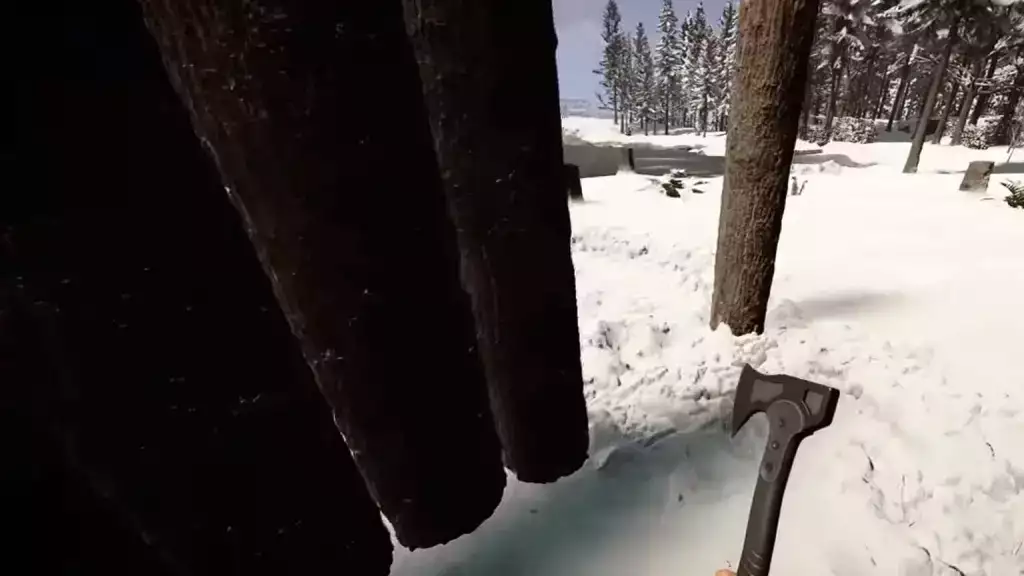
763,522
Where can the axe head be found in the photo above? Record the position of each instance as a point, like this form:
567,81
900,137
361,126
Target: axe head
756,392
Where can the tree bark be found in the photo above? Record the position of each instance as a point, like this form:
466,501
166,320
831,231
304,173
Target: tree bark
835,75
775,41
358,251
921,127
984,96
901,91
667,112
493,105
175,427
947,108
965,105
882,92
864,88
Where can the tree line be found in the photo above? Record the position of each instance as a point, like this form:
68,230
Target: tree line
953,62
683,81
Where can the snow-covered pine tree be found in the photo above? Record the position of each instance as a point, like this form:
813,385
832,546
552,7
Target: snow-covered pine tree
610,67
625,88
710,82
643,89
668,62
727,38
685,82
697,35
847,20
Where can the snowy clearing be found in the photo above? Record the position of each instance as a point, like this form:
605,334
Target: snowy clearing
897,289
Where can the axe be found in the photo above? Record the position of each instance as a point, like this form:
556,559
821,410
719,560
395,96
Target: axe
795,409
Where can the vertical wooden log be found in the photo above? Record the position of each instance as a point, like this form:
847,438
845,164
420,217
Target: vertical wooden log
775,41
338,188
493,106
177,429
573,185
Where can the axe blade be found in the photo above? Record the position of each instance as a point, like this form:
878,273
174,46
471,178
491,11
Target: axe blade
795,408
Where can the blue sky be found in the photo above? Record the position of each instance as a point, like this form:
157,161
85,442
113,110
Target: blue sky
579,36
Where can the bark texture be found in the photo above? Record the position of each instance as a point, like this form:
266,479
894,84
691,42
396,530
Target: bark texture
175,427
901,90
493,106
921,126
775,40
965,104
359,250
883,90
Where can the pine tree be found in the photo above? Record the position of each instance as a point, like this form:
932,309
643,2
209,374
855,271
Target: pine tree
685,81
626,79
668,62
610,67
697,36
847,19
727,38
644,79
710,85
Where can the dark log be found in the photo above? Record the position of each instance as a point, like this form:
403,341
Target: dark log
573,184
775,40
493,106
350,224
175,427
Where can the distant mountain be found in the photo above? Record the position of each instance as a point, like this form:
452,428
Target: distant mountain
582,107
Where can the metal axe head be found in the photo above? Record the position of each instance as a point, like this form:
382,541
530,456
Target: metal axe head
757,392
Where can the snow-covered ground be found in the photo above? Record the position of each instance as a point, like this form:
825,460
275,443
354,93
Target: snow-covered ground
899,290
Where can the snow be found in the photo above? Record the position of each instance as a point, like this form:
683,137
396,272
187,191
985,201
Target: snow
899,290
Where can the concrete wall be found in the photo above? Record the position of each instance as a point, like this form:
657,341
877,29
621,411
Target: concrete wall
593,160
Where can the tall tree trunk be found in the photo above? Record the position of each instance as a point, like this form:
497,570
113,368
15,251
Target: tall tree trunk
883,90
836,73
704,115
1004,130
175,425
921,126
901,91
984,96
493,105
353,255
947,108
805,112
775,41
668,101
864,90
965,105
